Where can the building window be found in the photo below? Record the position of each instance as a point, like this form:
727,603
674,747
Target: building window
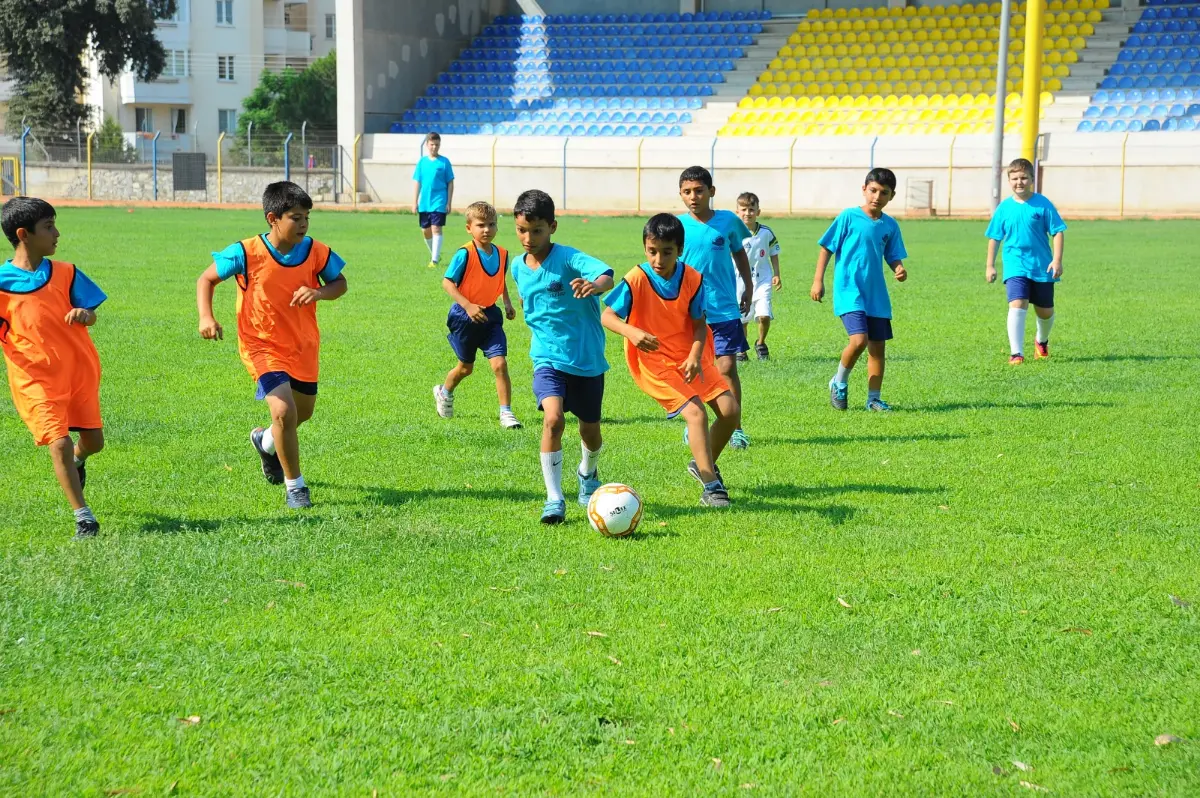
225,68
143,119
179,120
227,120
180,15
330,26
178,64
224,12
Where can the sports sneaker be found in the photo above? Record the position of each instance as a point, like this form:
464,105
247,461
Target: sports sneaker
554,512
444,401
271,467
878,406
1043,349
838,393
298,498
739,440
433,264
587,485
508,420
82,469
86,529
715,497
694,471
742,357
762,351
1016,360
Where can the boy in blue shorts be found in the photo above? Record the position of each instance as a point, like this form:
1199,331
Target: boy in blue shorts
862,239
713,247
433,192
559,287
1023,222
477,277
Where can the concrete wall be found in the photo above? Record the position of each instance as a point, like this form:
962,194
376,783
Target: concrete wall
1081,172
112,182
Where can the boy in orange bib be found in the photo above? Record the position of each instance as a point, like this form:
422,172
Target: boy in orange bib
280,277
476,278
46,307
659,309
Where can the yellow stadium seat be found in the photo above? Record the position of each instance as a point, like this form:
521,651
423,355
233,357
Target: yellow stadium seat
1094,16
1054,84
1102,5
1087,5
755,90
826,13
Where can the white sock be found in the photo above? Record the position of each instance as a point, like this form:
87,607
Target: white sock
429,244
1016,330
292,484
436,246
84,513
843,374
587,464
1043,328
552,475
79,461
268,440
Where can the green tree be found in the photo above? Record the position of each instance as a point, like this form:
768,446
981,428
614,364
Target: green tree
44,43
280,104
110,146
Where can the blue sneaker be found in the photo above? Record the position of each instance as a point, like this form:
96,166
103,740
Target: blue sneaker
298,498
554,512
738,440
838,393
587,486
878,406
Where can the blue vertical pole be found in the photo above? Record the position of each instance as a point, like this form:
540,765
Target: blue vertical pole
154,162
24,161
287,161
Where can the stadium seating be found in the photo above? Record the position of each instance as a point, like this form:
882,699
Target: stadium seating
589,75
927,69
1155,82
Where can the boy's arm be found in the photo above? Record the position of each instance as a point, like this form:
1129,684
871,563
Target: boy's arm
897,267
691,366
776,280
1056,267
510,313
475,312
742,263
449,196
210,328
818,287
306,294
990,272
638,337
584,287
416,195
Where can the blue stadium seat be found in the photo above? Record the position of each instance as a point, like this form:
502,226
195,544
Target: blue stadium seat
1102,127
1084,127
1187,123
1135,126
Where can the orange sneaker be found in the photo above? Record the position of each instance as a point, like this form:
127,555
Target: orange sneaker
1016,360
1043,349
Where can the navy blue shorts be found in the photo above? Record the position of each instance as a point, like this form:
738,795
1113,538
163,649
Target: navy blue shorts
581,396
876,328
273,379
729,338
429,219
467,337
1036,293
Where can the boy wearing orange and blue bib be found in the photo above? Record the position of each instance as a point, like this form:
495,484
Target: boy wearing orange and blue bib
659,308
477,277
46,307
280,275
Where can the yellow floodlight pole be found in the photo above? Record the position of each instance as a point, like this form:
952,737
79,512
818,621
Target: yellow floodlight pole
791,173
1032,90
354,184
89,151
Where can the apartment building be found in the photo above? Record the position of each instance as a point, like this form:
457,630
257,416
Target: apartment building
216,51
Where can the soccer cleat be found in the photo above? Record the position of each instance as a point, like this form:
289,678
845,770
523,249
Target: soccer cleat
1043,349
433,264
298,498
587,486
86,529
554,511
271,467
739,440
762,351
82,469
444,401
878,406
694,471
1016,360
508,420
742,357
715,497
838,395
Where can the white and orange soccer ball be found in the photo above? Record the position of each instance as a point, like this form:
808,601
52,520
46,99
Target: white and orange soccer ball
615,510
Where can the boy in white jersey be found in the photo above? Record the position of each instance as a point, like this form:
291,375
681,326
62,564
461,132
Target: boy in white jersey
762,250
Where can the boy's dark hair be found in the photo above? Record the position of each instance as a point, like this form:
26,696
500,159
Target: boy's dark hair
24,212
664,227
433,136
281,197
1021,165
884,177
697,174
535,206
747,198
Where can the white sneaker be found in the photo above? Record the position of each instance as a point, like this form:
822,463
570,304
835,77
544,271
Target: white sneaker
508,420
445,401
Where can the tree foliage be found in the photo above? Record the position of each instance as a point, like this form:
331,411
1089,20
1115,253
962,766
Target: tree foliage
110,145
44,43
283,101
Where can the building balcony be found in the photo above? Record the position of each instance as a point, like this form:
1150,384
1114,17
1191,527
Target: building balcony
284,41
164,91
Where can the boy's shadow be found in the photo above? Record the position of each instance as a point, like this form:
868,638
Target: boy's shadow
835,514
839,440
396,497
951,407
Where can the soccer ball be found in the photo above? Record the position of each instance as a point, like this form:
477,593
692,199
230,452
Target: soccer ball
615,510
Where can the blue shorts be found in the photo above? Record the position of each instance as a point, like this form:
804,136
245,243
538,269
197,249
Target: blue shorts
728,338
876,328
581,396
1039,294
429,219
273,379
467,337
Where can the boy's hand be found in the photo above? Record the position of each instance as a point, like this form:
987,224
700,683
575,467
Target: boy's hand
817,292
901,274
305,295
776,283
990,274
744,305
81,316
691,369
510,312
583,288
210,329
1055,269
475,312
643,340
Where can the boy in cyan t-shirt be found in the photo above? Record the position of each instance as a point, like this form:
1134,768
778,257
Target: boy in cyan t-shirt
559,287
862,239
1024,222
433,193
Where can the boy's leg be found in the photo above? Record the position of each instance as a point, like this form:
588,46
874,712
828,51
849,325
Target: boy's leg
499,366
727,367
456,375
696,418
839,385
62,455
435,246
875,366
1018,309
281,402
1043,304
91,441
585,398
554,421
764,326
728,418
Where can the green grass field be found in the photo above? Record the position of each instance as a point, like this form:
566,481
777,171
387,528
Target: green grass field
899,604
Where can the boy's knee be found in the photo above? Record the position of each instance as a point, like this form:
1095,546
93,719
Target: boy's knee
499,367
466,368
92,440
554,423
284,414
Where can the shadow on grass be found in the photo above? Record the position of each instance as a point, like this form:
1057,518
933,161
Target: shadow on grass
396,496
786,491
951,407
155,524
839,440
1127,358
835,514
